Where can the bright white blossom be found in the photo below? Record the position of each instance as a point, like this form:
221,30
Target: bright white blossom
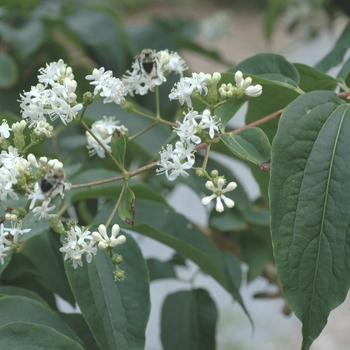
77,243
175,163
44,209
219,194
183,90
12,167
104,241
53,97
4,130
5,244
245,84
107,86
16,230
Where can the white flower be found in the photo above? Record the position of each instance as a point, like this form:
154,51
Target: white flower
104,241
35,195
44,209
16,230
4,130
187,131
54,97
183,89
107,86
218,193
244,84
174,166
77,243
208,122
172,62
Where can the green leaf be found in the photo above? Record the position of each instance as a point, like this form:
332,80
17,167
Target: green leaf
17,308
18,266
228,110
80,327
191,326
343,74
233,268
126,208
229,220
250,144
253,251
44,252
177,232
336,56
26,335
37,227
272,67
310,207
267,104
159,269
313,79
6,262
8,71
9,290
118,146
116,312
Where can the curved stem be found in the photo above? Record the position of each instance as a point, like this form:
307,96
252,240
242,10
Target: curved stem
156,119
141,132
116,205
103,146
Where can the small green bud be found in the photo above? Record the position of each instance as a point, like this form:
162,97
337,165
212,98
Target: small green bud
127,105
117,259
119,275
200,172
15,247
214,174
88,98
57,225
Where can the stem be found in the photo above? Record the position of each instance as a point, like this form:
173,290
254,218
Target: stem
116,178
98,182
206,156
102,145
156,92
141,132
116,205
257,122
156,119
344,94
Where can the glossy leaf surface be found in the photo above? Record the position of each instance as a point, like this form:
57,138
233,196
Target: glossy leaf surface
310,207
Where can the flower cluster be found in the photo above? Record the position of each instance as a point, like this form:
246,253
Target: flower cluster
174,163
54,96
107,86
12,168
80,241
9,238
243,87
103,130
158,64
184,89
